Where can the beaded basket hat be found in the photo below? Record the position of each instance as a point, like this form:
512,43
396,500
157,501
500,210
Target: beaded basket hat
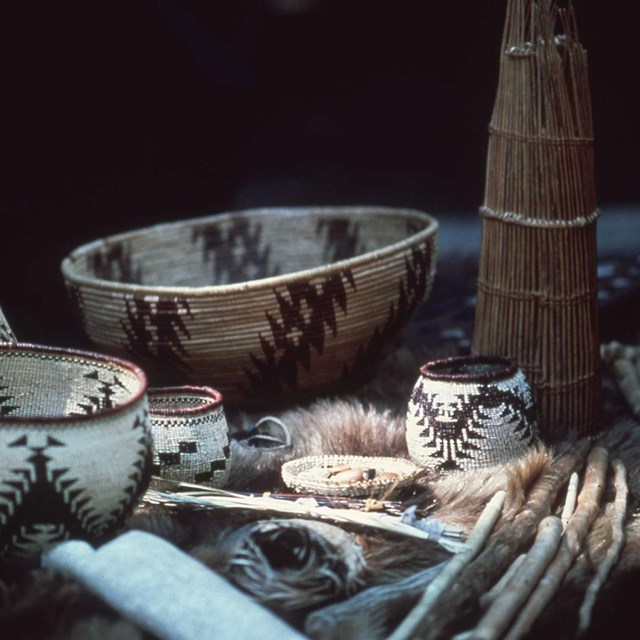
75,446
190,435
470,412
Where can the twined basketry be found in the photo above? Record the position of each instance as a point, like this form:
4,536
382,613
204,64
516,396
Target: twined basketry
75,446
537,284
259,303
470,412
316,474
190,435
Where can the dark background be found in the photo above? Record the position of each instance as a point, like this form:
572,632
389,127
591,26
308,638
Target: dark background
120,114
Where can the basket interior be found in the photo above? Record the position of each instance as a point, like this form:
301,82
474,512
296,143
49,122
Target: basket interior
234,248
36,384
179,401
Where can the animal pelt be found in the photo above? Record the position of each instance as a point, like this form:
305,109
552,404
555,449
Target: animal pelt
325,427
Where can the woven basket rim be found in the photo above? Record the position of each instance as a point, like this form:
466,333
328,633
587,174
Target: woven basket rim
211,399
84,357
506,367
69,272
290,474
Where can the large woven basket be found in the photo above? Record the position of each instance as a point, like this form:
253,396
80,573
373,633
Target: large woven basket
75,446
259,303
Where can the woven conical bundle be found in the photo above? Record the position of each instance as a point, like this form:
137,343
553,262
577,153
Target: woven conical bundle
537,286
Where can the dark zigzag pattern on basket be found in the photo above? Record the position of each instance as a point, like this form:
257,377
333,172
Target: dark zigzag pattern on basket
413,289
293,336
102,398
63,508
450,441
6,405
45,493
341,241
220,245
155,331
116,264
140,477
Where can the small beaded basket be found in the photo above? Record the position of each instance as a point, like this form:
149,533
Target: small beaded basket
470,412
190,435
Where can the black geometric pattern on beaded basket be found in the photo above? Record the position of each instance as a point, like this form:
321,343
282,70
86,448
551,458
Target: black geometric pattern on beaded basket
7,400
45,504
155,331
175,459
103,397
305,312
455,430
412,290
453,440
140,477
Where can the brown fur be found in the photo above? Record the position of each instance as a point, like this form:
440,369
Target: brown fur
325,427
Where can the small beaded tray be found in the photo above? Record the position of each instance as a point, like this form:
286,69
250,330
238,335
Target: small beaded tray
340,475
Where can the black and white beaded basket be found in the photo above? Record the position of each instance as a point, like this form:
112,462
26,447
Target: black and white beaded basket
75,446
190,435
470,412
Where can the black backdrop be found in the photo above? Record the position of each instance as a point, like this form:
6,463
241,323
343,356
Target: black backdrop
121,114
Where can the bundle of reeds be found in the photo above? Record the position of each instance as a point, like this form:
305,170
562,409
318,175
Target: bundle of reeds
537,287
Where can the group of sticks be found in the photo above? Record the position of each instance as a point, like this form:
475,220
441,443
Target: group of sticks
515,571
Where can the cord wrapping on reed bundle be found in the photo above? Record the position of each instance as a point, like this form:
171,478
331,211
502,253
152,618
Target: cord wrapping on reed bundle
537,285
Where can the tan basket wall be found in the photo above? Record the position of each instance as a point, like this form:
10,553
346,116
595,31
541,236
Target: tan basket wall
537,284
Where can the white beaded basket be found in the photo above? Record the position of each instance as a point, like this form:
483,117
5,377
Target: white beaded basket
190,435
260,304
75,446
308,475
470,412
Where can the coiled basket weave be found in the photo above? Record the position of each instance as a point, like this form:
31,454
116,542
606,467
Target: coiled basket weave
260,303
75,446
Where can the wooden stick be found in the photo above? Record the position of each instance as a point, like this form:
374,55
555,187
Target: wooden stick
504,608
509,540
577,530
487,599
475,542
570,500
613,552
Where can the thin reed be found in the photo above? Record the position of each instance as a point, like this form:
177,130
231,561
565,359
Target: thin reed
537,287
